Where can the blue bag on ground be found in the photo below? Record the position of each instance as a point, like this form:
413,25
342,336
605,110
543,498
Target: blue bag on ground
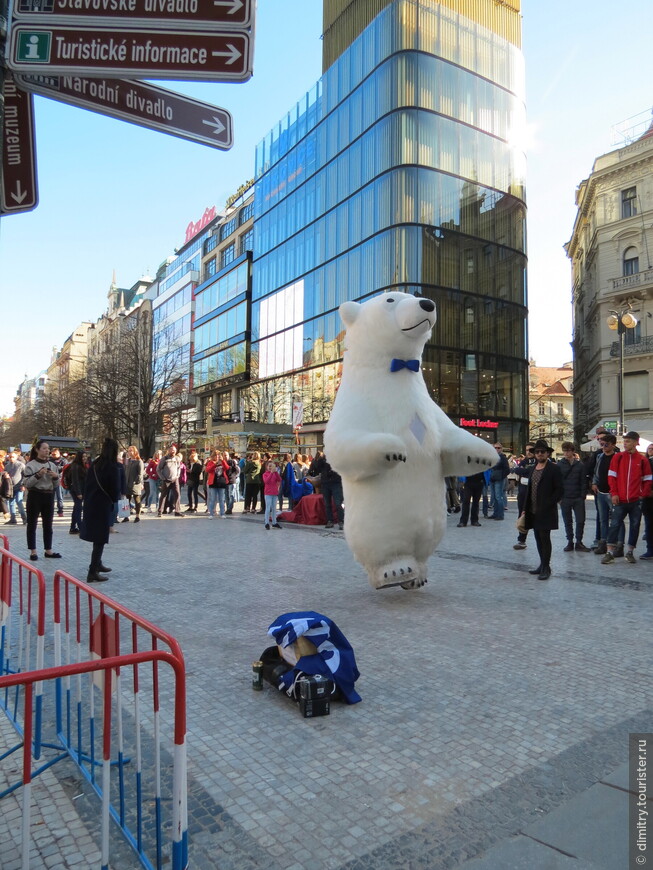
334,658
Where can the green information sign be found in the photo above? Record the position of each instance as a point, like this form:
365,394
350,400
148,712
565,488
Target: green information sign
34,46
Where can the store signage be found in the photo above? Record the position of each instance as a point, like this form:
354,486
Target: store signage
163,54
193,229
140,103
478,424
204,14
19,189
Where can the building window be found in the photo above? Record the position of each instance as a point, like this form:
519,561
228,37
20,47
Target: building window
561,409
227,255
541,409
210,244
628,202
246,241
209,269
227,229
636,391
633,336
246,212
541,432
631,262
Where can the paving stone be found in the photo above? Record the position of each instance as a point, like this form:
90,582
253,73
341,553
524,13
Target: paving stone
489,699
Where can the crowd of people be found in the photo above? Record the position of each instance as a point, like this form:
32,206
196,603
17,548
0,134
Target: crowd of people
619,481
118,486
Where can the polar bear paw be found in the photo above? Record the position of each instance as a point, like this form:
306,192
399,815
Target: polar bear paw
396,573
417,583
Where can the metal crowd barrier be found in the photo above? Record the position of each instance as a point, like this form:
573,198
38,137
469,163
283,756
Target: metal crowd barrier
108,703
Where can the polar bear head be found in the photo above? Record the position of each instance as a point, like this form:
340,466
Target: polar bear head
387,326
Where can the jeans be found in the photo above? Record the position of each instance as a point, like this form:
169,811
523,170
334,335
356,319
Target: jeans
496,487
232,496
632,510
332,491
170,495
151,494
17,502
40,504
58,494
577,507
193,487
271,509
605,509
76,518
216,495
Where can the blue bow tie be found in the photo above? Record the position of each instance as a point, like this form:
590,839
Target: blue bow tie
398,364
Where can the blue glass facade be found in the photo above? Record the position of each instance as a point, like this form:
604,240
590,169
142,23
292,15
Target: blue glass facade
399,170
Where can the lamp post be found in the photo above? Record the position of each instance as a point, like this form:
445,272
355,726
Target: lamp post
620,321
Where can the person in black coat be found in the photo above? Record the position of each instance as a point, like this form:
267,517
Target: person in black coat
101,491
574,479
545,489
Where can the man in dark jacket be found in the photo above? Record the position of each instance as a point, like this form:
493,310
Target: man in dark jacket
498,474
574,477
331,486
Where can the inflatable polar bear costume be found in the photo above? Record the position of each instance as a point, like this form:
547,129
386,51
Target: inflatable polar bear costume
390,442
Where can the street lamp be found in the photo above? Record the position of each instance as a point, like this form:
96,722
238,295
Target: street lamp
621,321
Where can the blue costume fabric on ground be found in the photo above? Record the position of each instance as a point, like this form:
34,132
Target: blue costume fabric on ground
334,658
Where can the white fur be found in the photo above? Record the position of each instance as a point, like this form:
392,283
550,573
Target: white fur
395,513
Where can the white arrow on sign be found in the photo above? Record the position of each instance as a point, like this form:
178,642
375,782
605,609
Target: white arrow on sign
216,123
233,54
235,5
18,196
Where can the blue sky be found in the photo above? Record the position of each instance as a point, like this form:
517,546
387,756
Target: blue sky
114,196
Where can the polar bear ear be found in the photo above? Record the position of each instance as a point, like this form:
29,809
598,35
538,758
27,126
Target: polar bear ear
349,311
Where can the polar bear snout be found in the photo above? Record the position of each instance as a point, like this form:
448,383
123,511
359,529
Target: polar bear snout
415,315
427,305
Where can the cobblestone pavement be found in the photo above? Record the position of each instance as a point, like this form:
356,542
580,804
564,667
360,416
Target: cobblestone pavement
489,698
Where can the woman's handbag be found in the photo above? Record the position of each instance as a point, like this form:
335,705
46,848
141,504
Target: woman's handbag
521,524
123,508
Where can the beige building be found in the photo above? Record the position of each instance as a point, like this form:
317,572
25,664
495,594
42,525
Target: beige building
551,404
612,276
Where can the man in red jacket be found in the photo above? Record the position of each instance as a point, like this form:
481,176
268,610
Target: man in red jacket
630,480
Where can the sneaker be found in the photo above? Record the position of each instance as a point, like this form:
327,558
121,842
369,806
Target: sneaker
646,557
267,526
276,526
329,525
519,546
137,519
461,526
581,548
607,559
341,526
630,557
569,548
476,524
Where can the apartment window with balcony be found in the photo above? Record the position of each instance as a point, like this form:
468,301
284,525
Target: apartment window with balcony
630,262
629,202
633,336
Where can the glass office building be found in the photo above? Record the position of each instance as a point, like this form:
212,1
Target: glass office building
400,170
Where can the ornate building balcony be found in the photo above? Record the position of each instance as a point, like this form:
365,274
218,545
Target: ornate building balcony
635,349
640,283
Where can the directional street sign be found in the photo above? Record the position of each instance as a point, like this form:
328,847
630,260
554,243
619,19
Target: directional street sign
153,54
201,14
19,191
140,103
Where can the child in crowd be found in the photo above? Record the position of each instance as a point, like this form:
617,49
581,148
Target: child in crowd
271,484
